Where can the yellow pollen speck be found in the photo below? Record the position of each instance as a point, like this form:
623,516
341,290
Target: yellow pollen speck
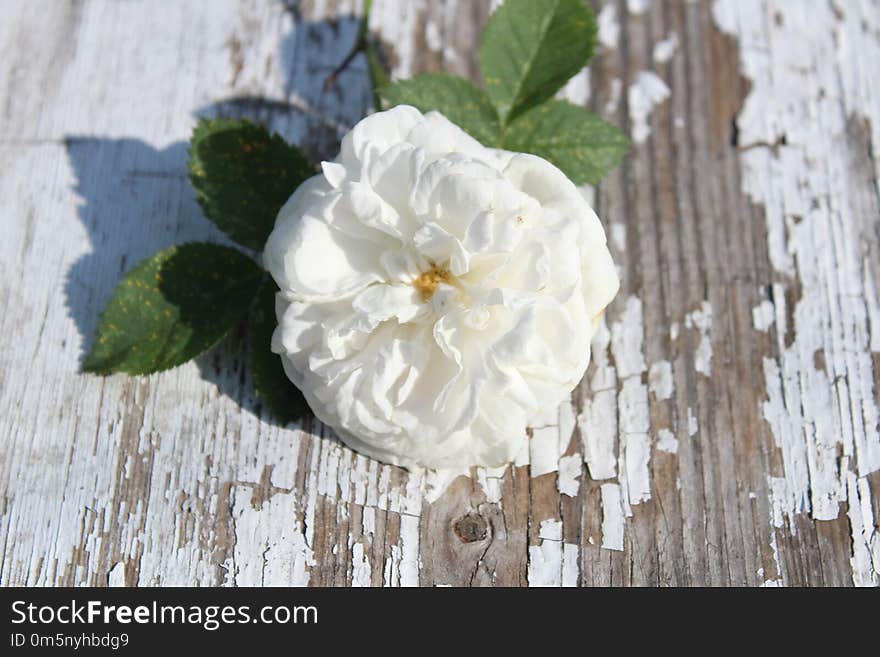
428,281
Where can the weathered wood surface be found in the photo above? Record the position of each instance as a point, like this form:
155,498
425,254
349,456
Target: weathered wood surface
727,432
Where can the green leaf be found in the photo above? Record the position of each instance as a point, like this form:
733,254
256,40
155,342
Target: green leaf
242,176
283,399
172,307
460,101
531,48
584,146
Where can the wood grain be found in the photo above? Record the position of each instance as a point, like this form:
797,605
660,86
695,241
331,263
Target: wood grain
725,434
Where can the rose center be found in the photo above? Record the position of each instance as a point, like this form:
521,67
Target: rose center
427,282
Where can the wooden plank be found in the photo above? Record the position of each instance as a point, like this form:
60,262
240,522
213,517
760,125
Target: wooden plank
726,433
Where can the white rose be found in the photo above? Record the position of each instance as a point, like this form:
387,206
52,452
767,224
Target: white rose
436,295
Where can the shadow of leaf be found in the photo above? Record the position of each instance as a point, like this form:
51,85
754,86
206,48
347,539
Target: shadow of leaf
137,199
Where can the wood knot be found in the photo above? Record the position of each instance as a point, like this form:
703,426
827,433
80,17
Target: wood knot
471,527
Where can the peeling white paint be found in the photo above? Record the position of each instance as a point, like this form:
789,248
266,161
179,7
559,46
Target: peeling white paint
396,23
646,90
361,572
432,36
626,340
636,7
368,521
664,50
774,548
609,30
812,78
666,441
551,436
660,380
402,565
597,422
546,559
598,429
635,463
613,521
621,415
872,299
286,554
615,88
544,450
550,530
701,320
577,89
763,315
569,474
491,481
618,235
634,410
866,538
703,356
627,336
692,425
116,576
570,568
